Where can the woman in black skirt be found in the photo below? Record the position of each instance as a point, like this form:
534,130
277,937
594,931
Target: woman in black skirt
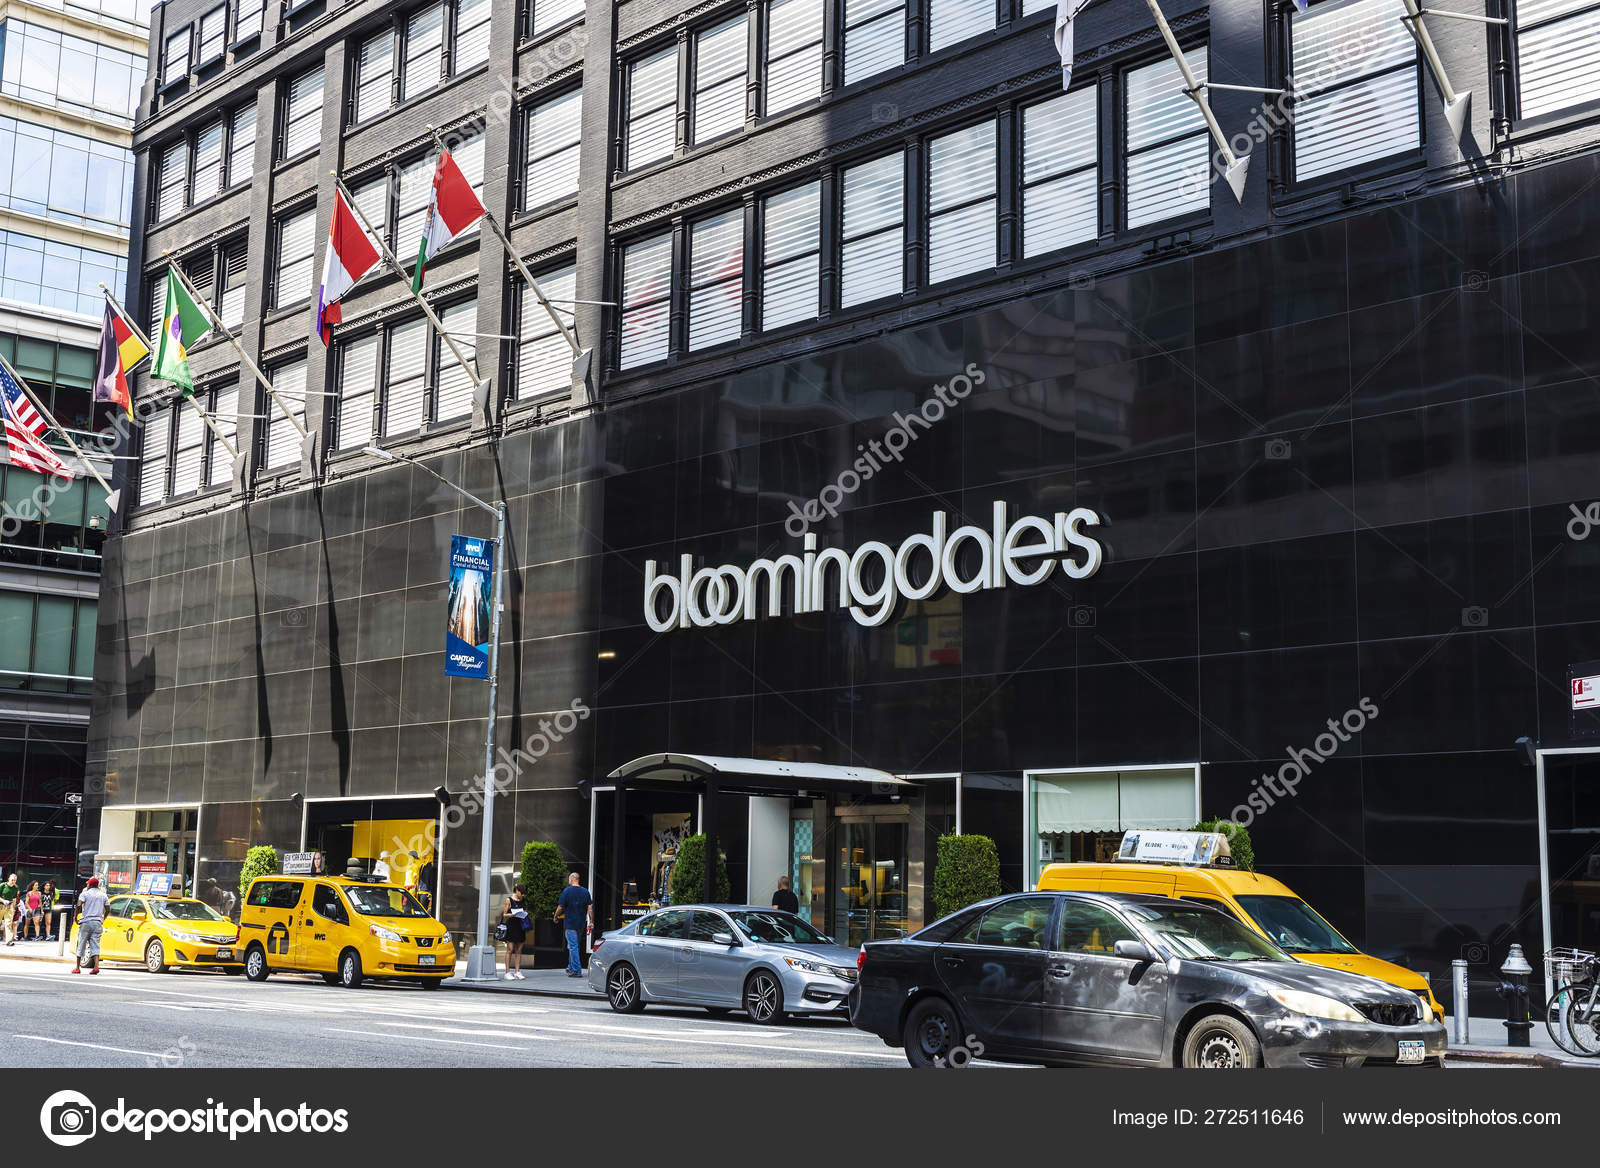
515,916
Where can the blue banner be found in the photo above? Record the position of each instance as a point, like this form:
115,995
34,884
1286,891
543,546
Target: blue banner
466,638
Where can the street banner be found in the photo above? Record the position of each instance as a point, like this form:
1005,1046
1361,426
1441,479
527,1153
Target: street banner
466,638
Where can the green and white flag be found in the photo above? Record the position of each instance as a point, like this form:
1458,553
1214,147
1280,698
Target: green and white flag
183,323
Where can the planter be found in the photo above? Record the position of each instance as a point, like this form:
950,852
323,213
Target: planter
547,948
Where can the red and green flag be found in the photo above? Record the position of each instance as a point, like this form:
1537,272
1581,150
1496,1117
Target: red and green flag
452,208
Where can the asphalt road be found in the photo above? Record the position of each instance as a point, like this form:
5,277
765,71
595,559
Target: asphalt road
126,1017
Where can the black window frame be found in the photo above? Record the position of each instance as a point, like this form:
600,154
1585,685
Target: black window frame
168,80
200,60
257,8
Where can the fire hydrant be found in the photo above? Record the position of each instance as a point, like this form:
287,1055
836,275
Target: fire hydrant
1514,989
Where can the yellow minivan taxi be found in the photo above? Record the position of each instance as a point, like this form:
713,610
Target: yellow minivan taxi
1268,906
166,932
347,929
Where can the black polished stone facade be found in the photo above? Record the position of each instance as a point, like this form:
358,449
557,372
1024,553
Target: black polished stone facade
1336,464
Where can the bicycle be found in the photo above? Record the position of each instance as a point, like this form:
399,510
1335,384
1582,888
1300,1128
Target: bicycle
1572,1016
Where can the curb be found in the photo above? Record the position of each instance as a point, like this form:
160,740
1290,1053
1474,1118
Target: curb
64,959
1513,1058
497,988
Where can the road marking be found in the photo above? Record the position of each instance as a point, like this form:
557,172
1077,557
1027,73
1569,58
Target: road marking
90,1045
424,1038
459,1030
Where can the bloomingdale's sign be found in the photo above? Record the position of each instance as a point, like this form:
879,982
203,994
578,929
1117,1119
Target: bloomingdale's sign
872,581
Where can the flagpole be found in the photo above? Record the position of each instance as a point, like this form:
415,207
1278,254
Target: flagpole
255,369
383,246
205,416
566,332
44,412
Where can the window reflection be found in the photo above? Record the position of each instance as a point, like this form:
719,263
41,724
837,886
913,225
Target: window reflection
90,182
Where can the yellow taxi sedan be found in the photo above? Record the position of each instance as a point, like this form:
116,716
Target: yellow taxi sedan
166,932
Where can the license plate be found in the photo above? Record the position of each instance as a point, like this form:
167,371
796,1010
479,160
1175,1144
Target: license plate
428,960
224,954
1412,1051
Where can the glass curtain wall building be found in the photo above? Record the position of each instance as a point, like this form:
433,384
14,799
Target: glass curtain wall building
851,280
70,76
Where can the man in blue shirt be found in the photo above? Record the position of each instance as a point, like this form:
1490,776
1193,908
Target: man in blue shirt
577,917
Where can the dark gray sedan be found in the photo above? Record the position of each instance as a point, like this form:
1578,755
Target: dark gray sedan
724,957
1106,978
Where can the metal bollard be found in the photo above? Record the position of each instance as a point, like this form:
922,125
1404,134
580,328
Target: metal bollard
1459,1016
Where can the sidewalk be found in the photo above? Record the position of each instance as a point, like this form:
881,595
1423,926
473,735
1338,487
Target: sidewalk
550,983
37,951
1488,1045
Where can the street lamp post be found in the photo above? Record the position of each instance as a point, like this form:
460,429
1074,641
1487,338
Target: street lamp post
481,963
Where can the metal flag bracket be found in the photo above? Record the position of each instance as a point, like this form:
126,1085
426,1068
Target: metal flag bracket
1456,105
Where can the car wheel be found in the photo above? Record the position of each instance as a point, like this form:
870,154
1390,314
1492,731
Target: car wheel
255,964
154,960
350,970
763,999
432,983
1221,1042
622,989
331,978
932,1032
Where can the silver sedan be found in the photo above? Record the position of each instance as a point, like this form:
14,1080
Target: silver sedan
724,957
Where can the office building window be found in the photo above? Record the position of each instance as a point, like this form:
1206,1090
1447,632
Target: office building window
470,36
646,301
874,37
1370,104
241,145
454,397
1557,44
544,359
872,235
1060,178
58,175
155,304
719,79
172,174
247,19
188,452
791,255
303,113
794,53
423,53
57,275
175,55
952,21
213,37
652,108
154,455
283,440
207,163
550,14
57,69
1168,149
234,272
374,75
291,281
405,388
962,207
358,391
716,279
225,413
553,130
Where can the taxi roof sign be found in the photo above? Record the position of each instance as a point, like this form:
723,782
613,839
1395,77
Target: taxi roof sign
1196,848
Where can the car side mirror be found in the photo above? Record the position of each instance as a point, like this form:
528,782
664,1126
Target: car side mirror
723,939
138,916
1133,951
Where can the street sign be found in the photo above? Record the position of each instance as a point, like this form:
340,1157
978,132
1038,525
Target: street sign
1585,693
1583,711
74,798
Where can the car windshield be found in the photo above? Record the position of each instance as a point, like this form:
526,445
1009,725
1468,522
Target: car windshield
1295,925
383,902
1205,935
780,928
185,910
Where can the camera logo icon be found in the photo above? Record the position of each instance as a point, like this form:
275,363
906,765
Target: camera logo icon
1081,616
68,1118
1475,617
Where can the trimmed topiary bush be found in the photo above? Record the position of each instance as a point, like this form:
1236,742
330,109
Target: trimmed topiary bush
967,871
261,860
689,874
544,874
1244,856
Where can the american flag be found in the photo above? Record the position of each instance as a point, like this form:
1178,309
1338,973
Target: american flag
25,431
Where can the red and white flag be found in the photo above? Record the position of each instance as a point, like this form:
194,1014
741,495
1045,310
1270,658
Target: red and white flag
351,254
25,432
452,208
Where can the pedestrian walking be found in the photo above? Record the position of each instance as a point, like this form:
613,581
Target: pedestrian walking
47,905
785,900
91,918
516,920
10,894
575,911
32,912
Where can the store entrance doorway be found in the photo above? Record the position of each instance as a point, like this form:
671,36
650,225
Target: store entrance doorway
1569,847
870,875
171,833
